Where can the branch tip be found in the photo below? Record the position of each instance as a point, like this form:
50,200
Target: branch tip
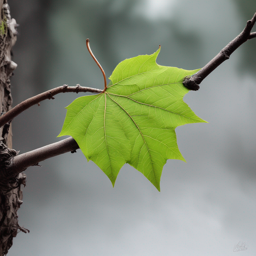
254,18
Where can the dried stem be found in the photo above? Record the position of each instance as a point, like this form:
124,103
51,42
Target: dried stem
193,82
7,117
102,70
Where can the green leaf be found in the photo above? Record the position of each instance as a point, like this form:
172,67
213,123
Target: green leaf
134,120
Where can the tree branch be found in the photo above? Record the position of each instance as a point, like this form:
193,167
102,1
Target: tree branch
193,82
43,96
21,162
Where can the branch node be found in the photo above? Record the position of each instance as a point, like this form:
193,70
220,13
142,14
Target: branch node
190,84
225,54
78,87
50,97
65,87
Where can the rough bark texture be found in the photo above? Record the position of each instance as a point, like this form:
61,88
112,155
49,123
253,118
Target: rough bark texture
10,187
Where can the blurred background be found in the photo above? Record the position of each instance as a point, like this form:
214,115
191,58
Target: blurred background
206,206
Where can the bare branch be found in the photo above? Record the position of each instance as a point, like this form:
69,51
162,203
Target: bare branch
43,96
21,162
193,82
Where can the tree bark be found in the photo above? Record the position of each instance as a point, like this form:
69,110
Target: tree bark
10,186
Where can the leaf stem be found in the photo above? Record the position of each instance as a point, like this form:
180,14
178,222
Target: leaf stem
102,70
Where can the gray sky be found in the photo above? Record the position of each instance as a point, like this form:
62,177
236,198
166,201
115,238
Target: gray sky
206,206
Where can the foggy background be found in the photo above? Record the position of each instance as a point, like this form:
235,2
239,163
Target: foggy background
206,206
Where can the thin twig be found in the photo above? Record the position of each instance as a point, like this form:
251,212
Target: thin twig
193,82
43,96
21,162
101,68
252,35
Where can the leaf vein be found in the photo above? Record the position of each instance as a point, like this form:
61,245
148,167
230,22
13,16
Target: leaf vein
145,143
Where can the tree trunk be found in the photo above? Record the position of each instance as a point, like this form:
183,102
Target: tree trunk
10,187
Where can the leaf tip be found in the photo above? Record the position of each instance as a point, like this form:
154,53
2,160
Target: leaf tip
180,157
158,188
203,121
158,50
156,184
63,133
111,177
60,135
113,181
